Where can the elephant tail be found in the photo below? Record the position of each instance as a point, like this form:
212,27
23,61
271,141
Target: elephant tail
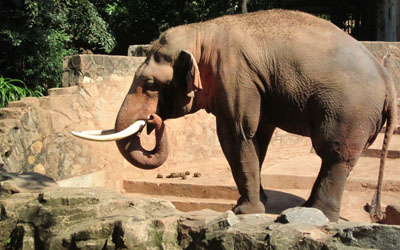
390,112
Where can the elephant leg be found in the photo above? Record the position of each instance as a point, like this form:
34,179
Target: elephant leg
264,136
328,189
338,159
243,157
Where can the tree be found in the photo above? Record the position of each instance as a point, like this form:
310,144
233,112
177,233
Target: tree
35,35
244,6
140,21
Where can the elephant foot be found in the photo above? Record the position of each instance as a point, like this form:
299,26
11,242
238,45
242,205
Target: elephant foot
249,208
331,214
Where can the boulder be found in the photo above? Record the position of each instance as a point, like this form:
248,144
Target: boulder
94,218
11,183
303,215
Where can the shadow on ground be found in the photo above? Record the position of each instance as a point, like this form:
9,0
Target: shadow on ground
279,201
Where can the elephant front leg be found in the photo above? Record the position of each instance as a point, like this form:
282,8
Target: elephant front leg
242,155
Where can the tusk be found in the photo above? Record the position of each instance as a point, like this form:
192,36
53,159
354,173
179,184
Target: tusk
98,132
98,135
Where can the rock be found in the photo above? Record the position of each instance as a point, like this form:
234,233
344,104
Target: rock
303,215
39,168
392,215
89,218
359,235
37,147
196,175
31,159
224,221
173,175
27,182
191,226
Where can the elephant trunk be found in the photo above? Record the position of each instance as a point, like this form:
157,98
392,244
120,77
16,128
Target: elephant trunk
133,152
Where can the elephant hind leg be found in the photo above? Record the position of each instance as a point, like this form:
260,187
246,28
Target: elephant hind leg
327,191
338,159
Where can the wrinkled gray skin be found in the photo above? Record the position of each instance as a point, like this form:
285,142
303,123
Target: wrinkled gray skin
256,72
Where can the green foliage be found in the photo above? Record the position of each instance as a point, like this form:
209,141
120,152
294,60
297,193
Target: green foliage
140,22
10,91
35,36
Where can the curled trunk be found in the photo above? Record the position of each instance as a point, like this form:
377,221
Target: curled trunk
133,151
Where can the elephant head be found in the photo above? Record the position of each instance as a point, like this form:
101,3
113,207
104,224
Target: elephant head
163,87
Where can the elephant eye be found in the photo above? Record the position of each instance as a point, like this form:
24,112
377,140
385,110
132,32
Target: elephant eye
151,85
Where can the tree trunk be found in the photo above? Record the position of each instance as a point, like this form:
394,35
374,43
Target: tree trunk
244,6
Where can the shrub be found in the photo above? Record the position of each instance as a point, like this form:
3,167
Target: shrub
10,91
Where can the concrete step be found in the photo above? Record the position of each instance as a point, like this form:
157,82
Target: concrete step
181,189
278,200
185,204
376,148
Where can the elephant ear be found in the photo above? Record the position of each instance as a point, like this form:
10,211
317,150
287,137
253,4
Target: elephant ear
193,80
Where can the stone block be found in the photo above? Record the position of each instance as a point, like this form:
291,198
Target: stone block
392,215
90,68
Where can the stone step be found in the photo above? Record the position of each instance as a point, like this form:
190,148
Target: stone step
376,148
186,204
182,189
278,200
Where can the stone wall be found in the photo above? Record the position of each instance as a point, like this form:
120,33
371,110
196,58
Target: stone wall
389,54
97,68
35,132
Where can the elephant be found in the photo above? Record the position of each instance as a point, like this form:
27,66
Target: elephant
256,72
